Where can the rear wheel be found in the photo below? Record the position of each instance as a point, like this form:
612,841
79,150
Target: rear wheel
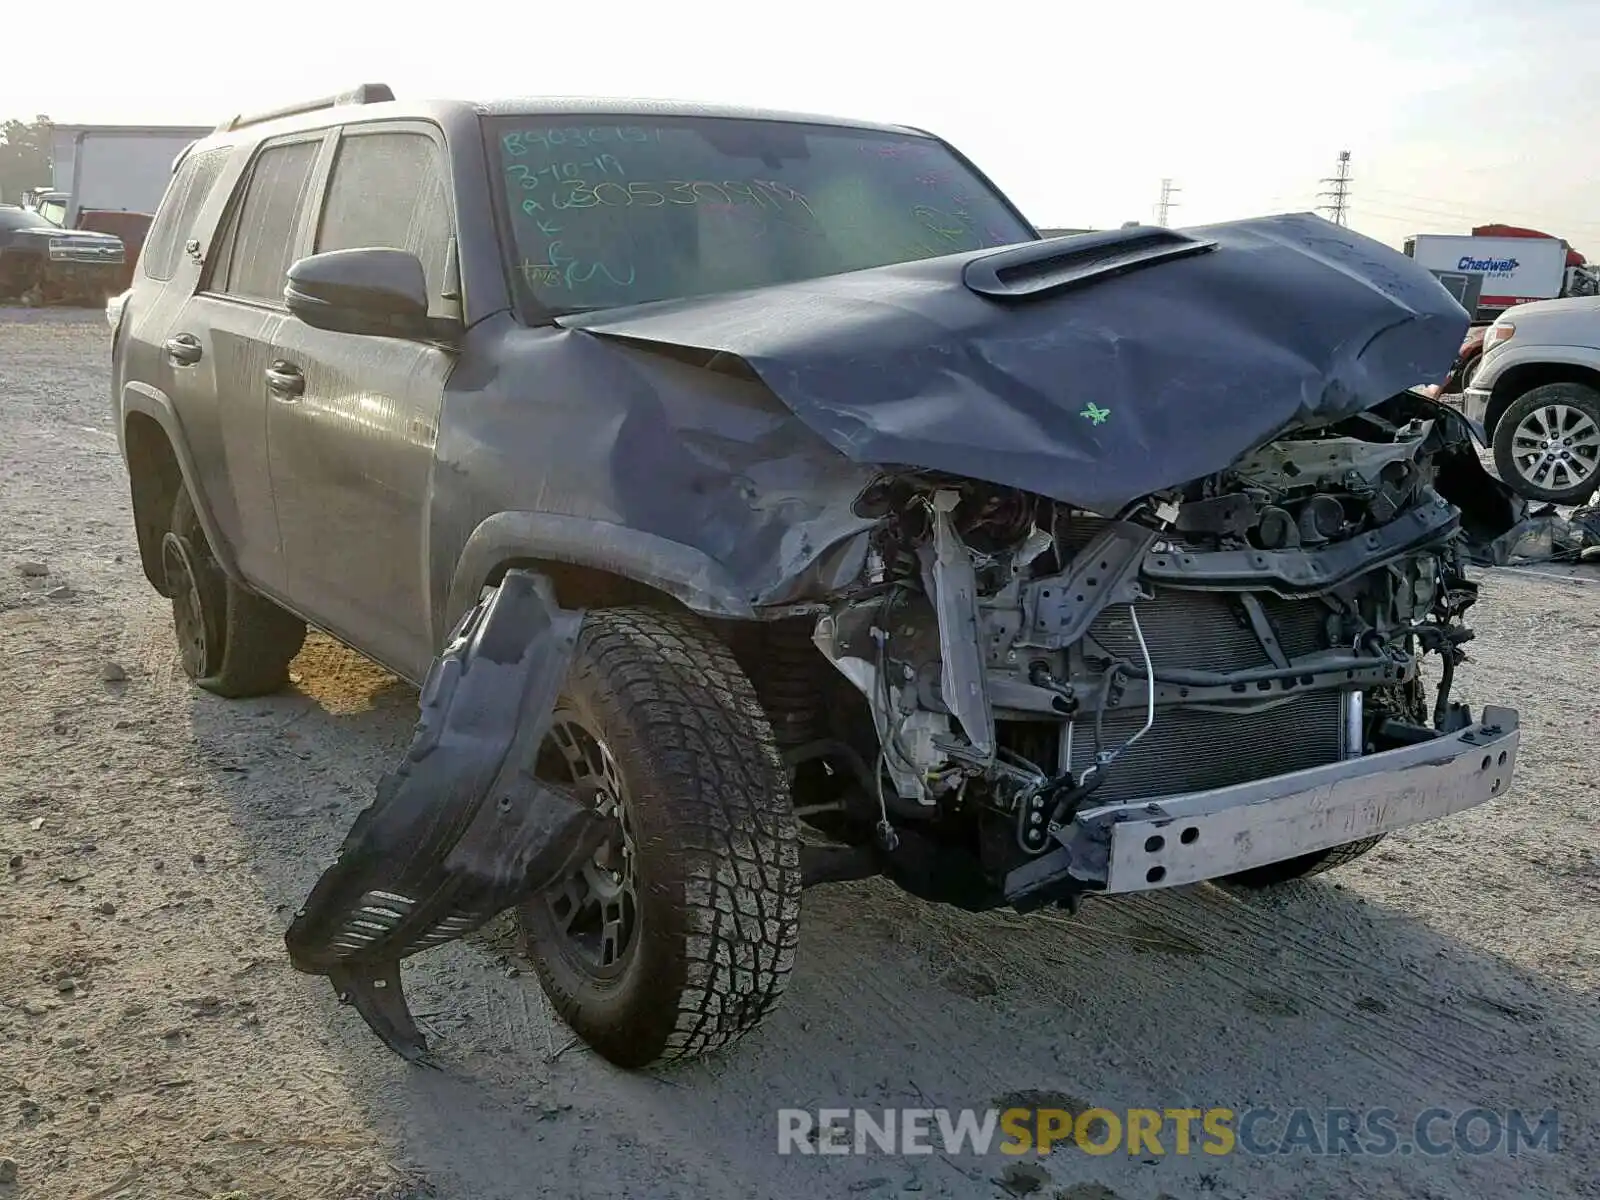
1547,444
679,936
230,640
1305,866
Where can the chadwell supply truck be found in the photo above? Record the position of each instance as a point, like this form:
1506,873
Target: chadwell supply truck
1490,274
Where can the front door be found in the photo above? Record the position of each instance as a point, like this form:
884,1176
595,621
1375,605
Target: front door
352,420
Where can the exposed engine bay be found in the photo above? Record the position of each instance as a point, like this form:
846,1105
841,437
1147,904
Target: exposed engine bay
1023,660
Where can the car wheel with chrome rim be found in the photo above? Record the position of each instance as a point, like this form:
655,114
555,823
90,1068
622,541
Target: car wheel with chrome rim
1547,444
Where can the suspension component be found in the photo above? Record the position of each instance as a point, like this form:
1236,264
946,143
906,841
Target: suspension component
789,683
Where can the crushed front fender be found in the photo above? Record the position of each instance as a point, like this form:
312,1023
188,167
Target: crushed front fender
461,830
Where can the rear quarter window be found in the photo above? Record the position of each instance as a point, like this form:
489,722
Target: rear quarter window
186,195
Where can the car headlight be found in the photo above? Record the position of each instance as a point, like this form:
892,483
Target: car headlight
1499,333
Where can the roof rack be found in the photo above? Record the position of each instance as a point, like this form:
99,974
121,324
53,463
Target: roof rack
366,93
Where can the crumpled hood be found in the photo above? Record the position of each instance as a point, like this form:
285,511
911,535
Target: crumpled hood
1090,380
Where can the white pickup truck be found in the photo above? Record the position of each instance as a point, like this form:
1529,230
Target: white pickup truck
1537,395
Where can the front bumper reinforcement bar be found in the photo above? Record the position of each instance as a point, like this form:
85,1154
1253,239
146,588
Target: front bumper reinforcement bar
1196,836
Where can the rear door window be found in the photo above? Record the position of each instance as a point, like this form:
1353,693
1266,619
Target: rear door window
261,249
387,190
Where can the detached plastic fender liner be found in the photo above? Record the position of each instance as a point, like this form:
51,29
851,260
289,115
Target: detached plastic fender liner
461,830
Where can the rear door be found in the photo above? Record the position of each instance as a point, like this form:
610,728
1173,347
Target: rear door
352,420
216,346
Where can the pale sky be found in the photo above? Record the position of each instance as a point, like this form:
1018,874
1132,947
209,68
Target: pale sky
1456,112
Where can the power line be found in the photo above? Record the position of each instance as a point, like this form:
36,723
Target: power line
1339,192
1166,204
1450,210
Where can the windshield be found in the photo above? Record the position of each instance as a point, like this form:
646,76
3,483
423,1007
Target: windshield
22,218
606,214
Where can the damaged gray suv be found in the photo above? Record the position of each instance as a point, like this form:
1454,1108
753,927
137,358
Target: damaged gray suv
719,472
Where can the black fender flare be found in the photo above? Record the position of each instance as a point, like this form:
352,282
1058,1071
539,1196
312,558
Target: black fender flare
150,402
687,574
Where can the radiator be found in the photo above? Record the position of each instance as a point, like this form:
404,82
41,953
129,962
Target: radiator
1191,749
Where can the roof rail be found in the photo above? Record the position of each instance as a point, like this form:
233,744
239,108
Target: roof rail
366,93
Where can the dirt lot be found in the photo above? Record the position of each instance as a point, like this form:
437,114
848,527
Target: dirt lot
154,1041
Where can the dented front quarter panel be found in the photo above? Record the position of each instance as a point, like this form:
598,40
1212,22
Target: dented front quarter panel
560,446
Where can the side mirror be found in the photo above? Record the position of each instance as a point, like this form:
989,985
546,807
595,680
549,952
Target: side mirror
368,290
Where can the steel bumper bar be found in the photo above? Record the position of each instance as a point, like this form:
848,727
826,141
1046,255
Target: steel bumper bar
1197,836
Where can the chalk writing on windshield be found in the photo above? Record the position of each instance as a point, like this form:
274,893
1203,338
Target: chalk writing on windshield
561,269
607,212
517,142
532,177
578,219
568,193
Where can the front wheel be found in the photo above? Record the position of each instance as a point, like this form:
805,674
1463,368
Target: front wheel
1547,444
679,935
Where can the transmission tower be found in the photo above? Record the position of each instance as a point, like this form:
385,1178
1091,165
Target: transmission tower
1166,204
1338,192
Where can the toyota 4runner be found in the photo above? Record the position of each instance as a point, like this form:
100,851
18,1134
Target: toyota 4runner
757,469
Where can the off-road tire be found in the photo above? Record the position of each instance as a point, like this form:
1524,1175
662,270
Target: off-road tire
717,845
257,638
1574,395
1305,866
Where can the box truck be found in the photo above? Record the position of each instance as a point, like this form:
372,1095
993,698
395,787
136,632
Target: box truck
1498,266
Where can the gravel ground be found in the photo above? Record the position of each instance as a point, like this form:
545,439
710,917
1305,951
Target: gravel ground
154,1041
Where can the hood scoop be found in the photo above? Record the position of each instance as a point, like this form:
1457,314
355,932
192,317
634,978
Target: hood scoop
1038,269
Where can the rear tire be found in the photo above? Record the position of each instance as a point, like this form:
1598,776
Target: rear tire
1554,419
231,641
1305,866
680,936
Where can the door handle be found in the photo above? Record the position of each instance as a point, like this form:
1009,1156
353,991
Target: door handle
285,381
183,349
